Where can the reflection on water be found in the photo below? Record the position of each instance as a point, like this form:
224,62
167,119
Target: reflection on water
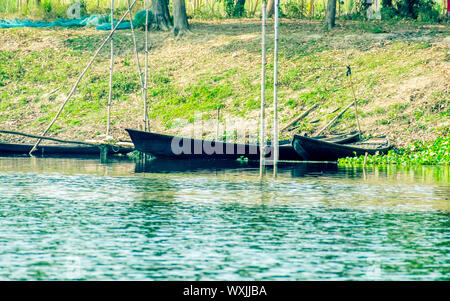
181,220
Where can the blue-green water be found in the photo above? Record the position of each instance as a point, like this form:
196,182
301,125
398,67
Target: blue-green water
80,219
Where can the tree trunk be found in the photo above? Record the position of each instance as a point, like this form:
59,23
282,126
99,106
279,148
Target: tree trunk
239,8
269,8
161,14
311,8
331,14
180,22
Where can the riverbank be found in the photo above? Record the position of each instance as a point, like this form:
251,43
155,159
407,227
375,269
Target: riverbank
401,76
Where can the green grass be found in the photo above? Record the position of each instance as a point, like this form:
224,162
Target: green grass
219,66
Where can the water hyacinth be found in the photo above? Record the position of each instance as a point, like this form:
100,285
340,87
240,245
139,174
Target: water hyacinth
419,152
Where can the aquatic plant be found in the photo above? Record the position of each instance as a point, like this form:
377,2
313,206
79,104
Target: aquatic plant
436,152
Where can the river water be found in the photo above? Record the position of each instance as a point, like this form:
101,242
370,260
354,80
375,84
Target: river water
176,220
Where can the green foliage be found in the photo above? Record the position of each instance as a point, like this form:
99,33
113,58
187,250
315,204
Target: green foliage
234,9
229,7
419,152
47,6
134,155
294,9
421,10
242,159
427,13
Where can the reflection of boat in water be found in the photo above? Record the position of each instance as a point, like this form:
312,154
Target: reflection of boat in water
161,165
164,165
313,169
174,147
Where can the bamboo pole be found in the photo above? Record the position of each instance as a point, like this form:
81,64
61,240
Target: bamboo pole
46,138
297,119
72,91
108,124
275,88
349,74
218,124
146,120
262,134
334,120
143,81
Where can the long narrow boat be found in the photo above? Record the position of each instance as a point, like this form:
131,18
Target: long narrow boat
167,146
63,149
319,150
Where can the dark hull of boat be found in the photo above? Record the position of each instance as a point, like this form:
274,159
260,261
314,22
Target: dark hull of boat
317,150
11,148
166,146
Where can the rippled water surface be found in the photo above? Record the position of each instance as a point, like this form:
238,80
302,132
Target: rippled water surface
169,220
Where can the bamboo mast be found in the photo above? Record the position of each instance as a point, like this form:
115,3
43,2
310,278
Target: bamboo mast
111,67
262,134
275,88
334,120
143,85
349,74
46,138
72,91
297,119
218,124
146,120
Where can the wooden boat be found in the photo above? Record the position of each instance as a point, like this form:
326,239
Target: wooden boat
63,149
167,146
319,150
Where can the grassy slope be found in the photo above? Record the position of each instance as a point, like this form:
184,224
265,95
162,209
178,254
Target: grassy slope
401,77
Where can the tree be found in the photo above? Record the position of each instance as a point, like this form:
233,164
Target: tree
180,22
330,18
311,8
234,8
270,7
239,8
414,9
408,8
161,14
